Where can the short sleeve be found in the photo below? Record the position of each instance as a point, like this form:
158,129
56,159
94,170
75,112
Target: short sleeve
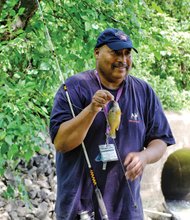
61,111
157,123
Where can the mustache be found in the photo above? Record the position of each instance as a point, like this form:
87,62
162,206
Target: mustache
120,65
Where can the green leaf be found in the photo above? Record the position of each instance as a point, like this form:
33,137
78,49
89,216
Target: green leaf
87,26
28,154
12,12
156,7
9,193
4,149
44,109
8,139
13,150
17,76
44,66
21,11
2,135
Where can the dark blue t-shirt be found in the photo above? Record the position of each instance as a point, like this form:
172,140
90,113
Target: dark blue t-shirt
142,120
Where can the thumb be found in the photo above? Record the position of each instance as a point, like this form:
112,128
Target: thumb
128,159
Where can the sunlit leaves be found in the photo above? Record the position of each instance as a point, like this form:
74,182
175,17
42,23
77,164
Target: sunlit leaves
29,75
156,7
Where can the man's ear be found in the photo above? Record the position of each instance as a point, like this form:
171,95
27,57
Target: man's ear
96,52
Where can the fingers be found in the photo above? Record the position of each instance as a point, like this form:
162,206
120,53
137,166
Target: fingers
133,172
103,96
134,164
100,99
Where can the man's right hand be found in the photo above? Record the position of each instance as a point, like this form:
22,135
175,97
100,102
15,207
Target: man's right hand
100,99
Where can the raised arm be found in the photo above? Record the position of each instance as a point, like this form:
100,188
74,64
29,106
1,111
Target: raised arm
71,133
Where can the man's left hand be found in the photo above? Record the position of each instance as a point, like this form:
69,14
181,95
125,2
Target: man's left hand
135,163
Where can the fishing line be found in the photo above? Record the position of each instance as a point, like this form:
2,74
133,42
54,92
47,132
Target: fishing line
107,135
99,197
123,169
122,166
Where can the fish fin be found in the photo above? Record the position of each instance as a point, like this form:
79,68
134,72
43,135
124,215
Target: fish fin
112,134
117,127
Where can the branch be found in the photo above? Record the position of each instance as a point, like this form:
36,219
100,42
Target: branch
21,22
31,7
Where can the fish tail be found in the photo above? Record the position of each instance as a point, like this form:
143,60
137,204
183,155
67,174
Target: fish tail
112,134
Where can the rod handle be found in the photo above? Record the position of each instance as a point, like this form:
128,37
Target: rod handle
101,204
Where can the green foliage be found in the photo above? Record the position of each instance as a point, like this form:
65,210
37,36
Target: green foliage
180,9
29,75
9,193
164,58
26,78
168,93
75,26
169,46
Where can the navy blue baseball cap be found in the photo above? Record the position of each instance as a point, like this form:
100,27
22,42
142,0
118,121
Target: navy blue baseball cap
114,39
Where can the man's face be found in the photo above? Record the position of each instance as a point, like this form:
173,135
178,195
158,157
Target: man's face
113,65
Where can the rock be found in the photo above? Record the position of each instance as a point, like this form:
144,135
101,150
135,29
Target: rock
175,180
39,178
51,207
3,187
9,175
43,184
28,183
20,203
43,194
42,211
13,215
22,211
44,151
35,203
2,202
30,217
4,216
11,206
32,194
51,196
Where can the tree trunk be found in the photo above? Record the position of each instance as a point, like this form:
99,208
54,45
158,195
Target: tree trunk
21,22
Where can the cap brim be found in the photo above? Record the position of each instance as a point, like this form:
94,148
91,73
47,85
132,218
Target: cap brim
121,45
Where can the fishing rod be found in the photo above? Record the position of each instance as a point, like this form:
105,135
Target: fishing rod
98,193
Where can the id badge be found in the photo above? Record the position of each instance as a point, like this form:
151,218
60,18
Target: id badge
108,153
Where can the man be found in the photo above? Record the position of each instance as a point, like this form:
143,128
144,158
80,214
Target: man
142,136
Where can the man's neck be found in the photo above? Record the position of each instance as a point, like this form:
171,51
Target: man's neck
111,85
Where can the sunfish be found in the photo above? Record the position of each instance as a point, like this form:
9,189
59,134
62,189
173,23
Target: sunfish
114,118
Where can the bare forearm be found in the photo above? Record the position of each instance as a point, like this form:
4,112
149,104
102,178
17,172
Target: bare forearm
135,162
155,150
71,133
